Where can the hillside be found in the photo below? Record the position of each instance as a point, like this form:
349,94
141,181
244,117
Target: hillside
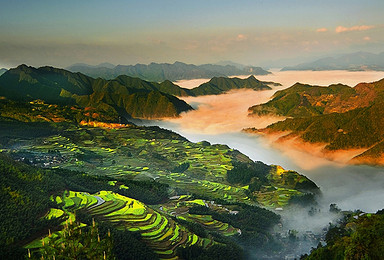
124,95
136,182
301,100
164,71
2,71
358,61
221,85
46,83
349,118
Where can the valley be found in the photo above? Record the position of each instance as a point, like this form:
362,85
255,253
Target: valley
259,147
196,189
191,130
207,189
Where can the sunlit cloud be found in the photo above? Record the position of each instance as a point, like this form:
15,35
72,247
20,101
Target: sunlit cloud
241,37
367,38
341,29
322,30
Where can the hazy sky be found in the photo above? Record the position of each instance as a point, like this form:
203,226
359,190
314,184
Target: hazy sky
60,33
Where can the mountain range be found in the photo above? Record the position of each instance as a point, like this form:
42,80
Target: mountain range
128,96
131,97
358,61
164,71
340,116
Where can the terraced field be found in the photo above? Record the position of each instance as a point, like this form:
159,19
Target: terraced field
180,206
124,153
277,197
197,168
160,232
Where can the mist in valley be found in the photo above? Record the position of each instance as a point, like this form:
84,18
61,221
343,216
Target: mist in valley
227,113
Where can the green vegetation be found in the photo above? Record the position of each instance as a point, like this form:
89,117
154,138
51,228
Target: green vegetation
162,71
39,112
254,174
124,213
286,187
75,241
123,154
129,179
358,237
28,193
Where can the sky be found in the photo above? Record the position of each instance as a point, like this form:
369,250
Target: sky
251,32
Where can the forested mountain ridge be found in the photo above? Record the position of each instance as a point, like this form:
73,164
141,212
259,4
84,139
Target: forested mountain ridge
302,100
164,71
129,96
341,117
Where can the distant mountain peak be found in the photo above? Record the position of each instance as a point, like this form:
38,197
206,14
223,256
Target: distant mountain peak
101,65
230,63
252,77
159,72
23,67
357,61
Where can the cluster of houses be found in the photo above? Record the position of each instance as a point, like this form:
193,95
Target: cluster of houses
41,159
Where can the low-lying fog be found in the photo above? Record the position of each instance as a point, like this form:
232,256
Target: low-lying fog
219,119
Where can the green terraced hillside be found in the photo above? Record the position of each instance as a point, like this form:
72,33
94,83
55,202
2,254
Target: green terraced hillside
161,233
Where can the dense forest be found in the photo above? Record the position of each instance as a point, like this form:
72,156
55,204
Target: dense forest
359,236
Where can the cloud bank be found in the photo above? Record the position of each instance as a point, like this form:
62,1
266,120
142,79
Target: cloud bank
341,29
322,30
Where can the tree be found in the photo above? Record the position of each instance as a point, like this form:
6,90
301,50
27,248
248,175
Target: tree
76,242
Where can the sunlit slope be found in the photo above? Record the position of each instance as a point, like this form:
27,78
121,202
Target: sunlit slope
161,233
338,116
301,100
